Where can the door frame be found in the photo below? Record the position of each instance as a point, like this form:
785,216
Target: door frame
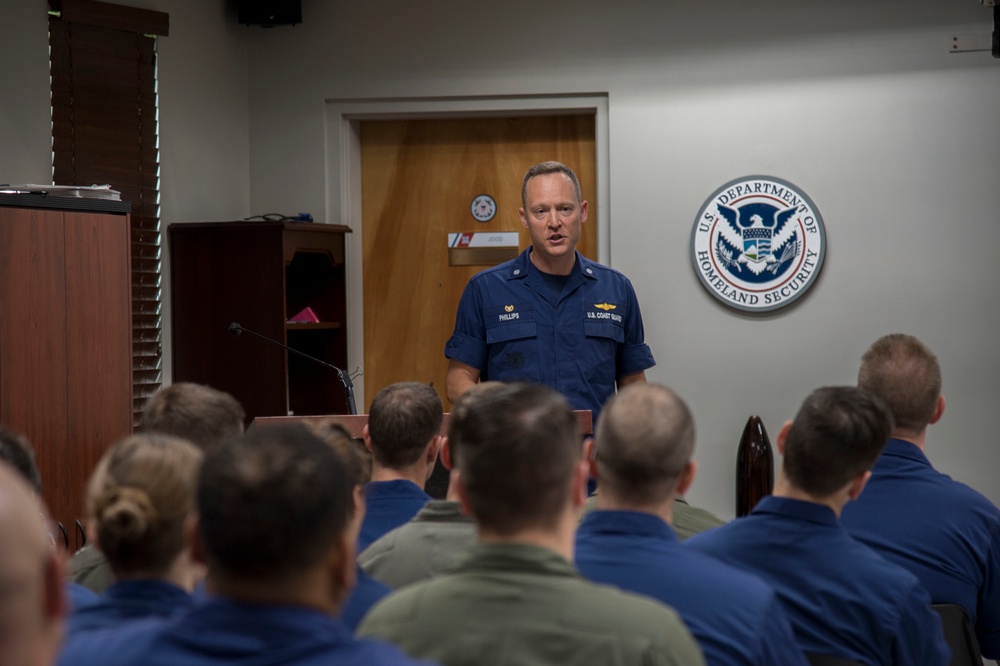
343,173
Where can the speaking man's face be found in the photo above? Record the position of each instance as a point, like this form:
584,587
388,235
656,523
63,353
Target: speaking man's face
553,216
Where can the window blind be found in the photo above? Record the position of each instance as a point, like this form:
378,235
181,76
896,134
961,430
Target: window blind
104,131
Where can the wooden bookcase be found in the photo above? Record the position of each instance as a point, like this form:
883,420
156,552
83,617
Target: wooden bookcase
259,275
65,337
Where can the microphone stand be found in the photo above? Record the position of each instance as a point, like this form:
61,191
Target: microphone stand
345,378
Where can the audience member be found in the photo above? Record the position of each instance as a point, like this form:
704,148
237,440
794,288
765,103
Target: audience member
517,599
16,450
367,590
199,414
139,500
277,530
437,538
32,603
644,443
430,544
404,436
689,520
843,600
945,533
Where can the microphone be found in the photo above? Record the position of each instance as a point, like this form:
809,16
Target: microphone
345,379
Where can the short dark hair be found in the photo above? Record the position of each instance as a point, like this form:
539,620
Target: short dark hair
351,451
545,168
837,434
16,451
402,419
200,414
462,405
516,447
272,504
644,440
905,375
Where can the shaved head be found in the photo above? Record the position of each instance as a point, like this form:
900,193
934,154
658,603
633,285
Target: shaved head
645,439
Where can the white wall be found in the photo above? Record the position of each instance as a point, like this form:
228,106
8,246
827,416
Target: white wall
204,124
858,103
25,121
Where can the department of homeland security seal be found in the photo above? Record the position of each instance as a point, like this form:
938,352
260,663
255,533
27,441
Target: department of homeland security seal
758,243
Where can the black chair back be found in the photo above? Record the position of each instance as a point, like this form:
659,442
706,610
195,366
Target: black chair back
960,635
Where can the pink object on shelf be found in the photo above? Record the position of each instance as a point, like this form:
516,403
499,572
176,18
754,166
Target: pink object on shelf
306,316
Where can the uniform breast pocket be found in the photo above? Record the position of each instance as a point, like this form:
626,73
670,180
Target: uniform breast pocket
603,340
512,339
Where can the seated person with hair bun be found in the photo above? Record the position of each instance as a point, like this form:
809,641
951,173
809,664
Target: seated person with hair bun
277,526
139,499
200,414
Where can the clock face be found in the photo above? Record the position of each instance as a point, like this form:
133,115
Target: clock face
484,208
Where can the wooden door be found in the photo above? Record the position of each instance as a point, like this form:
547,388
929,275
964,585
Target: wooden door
419,178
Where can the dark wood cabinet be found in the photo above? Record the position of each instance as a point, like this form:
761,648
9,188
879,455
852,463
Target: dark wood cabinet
260,275
65,337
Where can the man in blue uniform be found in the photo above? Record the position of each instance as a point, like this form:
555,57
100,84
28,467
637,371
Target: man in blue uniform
438,537
431,544
404,437
945,533
550,316
277,524
842,598
643,460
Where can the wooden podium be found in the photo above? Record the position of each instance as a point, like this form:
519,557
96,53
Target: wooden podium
65,336
355,423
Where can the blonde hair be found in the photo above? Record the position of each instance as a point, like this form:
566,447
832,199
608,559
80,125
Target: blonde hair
138,498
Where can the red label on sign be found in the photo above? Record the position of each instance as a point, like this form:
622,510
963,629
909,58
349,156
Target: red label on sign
464,240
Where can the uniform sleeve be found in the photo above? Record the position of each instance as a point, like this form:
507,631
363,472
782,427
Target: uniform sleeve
988,613
634,354
467,343
920,637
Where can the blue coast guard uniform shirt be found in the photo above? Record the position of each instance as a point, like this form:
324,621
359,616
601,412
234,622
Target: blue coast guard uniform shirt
126,601
366,593
389,504
842,598
221,631
942,531
512,327
735,617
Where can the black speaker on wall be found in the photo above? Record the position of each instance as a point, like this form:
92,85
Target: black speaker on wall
268,13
